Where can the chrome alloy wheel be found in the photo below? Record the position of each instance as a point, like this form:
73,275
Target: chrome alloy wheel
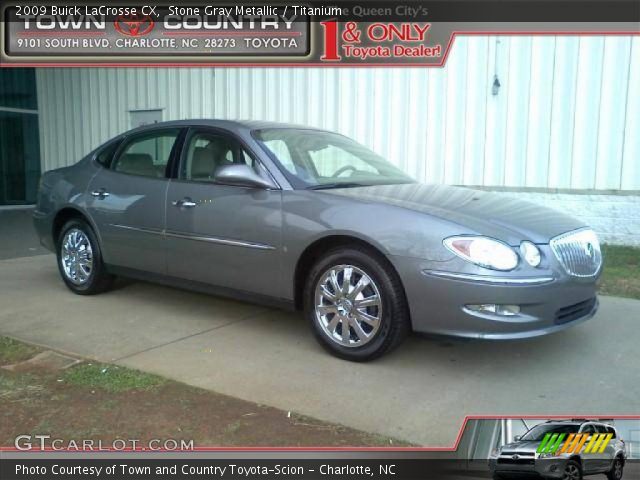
77,256
348,306
571,472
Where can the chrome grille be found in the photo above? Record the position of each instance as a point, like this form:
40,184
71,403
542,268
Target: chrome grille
578,252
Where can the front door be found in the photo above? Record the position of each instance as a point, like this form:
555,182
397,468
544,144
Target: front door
589,460
222,235
128,202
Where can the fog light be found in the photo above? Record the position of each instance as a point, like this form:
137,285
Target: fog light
503,310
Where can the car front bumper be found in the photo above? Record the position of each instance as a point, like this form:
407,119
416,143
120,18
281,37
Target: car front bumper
549,302
552,467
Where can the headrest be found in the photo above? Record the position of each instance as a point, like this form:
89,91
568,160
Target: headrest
137,164
203,163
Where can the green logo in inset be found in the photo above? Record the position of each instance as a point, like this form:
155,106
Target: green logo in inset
553,443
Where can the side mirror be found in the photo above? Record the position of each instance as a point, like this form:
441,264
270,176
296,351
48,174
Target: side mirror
241,176
517,438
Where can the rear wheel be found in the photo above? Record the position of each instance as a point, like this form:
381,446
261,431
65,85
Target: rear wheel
80,259
356,304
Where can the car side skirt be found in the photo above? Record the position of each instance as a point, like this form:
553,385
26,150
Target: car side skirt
200,287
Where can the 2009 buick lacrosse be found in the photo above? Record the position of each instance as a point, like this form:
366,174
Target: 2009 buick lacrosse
311,220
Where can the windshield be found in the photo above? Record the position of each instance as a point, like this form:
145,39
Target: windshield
315,159
537,433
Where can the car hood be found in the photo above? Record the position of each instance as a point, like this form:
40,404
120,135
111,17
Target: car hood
521,447
487,213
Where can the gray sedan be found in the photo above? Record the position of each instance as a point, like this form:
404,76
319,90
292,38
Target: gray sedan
311,220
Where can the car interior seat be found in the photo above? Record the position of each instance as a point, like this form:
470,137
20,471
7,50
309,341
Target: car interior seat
137,164
206,160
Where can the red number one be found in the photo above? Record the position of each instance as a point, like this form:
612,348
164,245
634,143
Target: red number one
330,42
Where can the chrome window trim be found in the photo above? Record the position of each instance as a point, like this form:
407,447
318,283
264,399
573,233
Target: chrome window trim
490,279
198,238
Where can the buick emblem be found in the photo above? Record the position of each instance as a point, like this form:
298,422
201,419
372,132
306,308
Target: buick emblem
134,25
588,249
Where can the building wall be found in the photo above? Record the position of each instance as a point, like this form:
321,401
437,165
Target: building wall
615,216
562,118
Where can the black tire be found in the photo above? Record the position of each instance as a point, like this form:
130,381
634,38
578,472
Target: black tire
573,464
615,473
99,280
394,322
497,476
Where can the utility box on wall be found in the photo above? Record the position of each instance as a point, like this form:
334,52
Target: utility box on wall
145,117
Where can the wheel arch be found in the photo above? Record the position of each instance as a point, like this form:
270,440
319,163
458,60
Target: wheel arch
322,245
577,459
69,213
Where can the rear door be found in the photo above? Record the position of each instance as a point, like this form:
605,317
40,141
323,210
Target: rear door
128,201
605,458
223,235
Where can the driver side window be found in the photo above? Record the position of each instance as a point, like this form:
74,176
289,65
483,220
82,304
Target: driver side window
206,152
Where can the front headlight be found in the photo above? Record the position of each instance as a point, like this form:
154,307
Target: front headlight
546,455
483,251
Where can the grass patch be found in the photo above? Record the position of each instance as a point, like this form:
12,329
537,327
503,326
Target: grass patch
12,351
621,274
19,388
111,378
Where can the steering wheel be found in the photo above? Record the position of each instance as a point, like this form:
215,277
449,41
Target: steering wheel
341,170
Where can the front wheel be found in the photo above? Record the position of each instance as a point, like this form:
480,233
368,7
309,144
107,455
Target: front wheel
80,259
356,304
572,471
616,469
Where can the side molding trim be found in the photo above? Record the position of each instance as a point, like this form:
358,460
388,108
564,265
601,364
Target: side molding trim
198,238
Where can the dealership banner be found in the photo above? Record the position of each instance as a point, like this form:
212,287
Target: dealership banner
410,33
378,466
290,467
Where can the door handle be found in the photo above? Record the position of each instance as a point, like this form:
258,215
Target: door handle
184,203
101,193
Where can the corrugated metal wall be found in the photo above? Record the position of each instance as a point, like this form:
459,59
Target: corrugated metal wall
566,115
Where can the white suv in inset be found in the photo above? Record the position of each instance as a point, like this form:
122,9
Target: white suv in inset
562,449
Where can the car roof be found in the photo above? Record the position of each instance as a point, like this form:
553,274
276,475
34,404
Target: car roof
233,125
577,422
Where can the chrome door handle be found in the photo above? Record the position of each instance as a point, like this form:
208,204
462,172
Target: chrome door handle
102,193
184,203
